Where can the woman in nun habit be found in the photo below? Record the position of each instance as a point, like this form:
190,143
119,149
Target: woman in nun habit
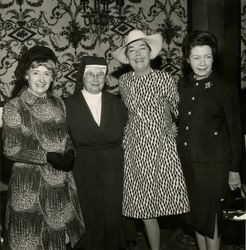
96,121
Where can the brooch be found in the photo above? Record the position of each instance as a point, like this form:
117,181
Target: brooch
208,85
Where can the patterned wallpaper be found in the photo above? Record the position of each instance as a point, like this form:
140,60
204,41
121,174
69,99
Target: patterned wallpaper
73,28
243,44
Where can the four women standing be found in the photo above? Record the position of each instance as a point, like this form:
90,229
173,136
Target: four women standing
43,209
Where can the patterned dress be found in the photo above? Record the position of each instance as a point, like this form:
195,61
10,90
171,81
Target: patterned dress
43,207
153,178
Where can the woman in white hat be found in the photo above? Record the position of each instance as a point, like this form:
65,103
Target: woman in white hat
153,179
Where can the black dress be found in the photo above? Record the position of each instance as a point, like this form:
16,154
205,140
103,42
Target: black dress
209,144
98,169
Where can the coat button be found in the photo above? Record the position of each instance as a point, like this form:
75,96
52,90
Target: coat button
187,127
197,84
185,143
189,112
192,98
215,133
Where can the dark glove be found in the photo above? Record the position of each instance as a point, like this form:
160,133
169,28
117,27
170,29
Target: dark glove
62,162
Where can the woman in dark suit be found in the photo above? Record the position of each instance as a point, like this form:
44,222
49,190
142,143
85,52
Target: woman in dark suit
209,138
96,121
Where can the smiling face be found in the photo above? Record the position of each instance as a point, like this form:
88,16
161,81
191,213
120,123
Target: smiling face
94,80
201,60
138,55
39,79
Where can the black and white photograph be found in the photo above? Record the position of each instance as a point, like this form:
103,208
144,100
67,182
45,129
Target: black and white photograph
123,125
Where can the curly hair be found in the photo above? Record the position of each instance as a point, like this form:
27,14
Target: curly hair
197,38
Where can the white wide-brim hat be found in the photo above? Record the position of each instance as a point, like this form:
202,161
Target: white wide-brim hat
154,41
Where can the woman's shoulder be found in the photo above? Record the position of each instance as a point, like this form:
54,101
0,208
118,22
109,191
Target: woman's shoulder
54,96
125,76
58,99
13,102
114,101
163,77
222,84
12,110
72,98
111,97
219,78
183,81
162,74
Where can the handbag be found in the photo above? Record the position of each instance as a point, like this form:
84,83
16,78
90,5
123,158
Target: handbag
233,207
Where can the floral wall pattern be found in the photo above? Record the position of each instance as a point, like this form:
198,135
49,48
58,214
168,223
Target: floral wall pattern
243,44
74,28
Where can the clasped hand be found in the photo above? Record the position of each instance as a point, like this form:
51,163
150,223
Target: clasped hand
60,161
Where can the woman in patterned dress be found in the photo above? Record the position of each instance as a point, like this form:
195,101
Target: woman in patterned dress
43,211
153,180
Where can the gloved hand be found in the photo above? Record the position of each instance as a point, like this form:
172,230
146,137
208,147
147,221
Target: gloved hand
62,162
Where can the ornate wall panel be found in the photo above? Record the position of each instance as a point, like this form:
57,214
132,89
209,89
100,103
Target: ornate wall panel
243,44
73,28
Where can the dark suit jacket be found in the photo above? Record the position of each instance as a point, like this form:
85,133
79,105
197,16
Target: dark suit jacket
209,121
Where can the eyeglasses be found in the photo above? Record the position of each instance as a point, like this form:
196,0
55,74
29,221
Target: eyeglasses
91,76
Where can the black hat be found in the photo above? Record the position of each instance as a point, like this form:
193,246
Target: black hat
33,54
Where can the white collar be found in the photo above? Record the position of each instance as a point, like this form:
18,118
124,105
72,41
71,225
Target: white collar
91,96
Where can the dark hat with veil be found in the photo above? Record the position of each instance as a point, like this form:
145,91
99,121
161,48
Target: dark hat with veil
85,61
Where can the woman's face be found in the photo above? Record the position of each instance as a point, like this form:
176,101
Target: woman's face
138,55
94,79
39,80
201,60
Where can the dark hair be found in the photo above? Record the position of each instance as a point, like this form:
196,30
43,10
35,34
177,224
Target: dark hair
197,38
